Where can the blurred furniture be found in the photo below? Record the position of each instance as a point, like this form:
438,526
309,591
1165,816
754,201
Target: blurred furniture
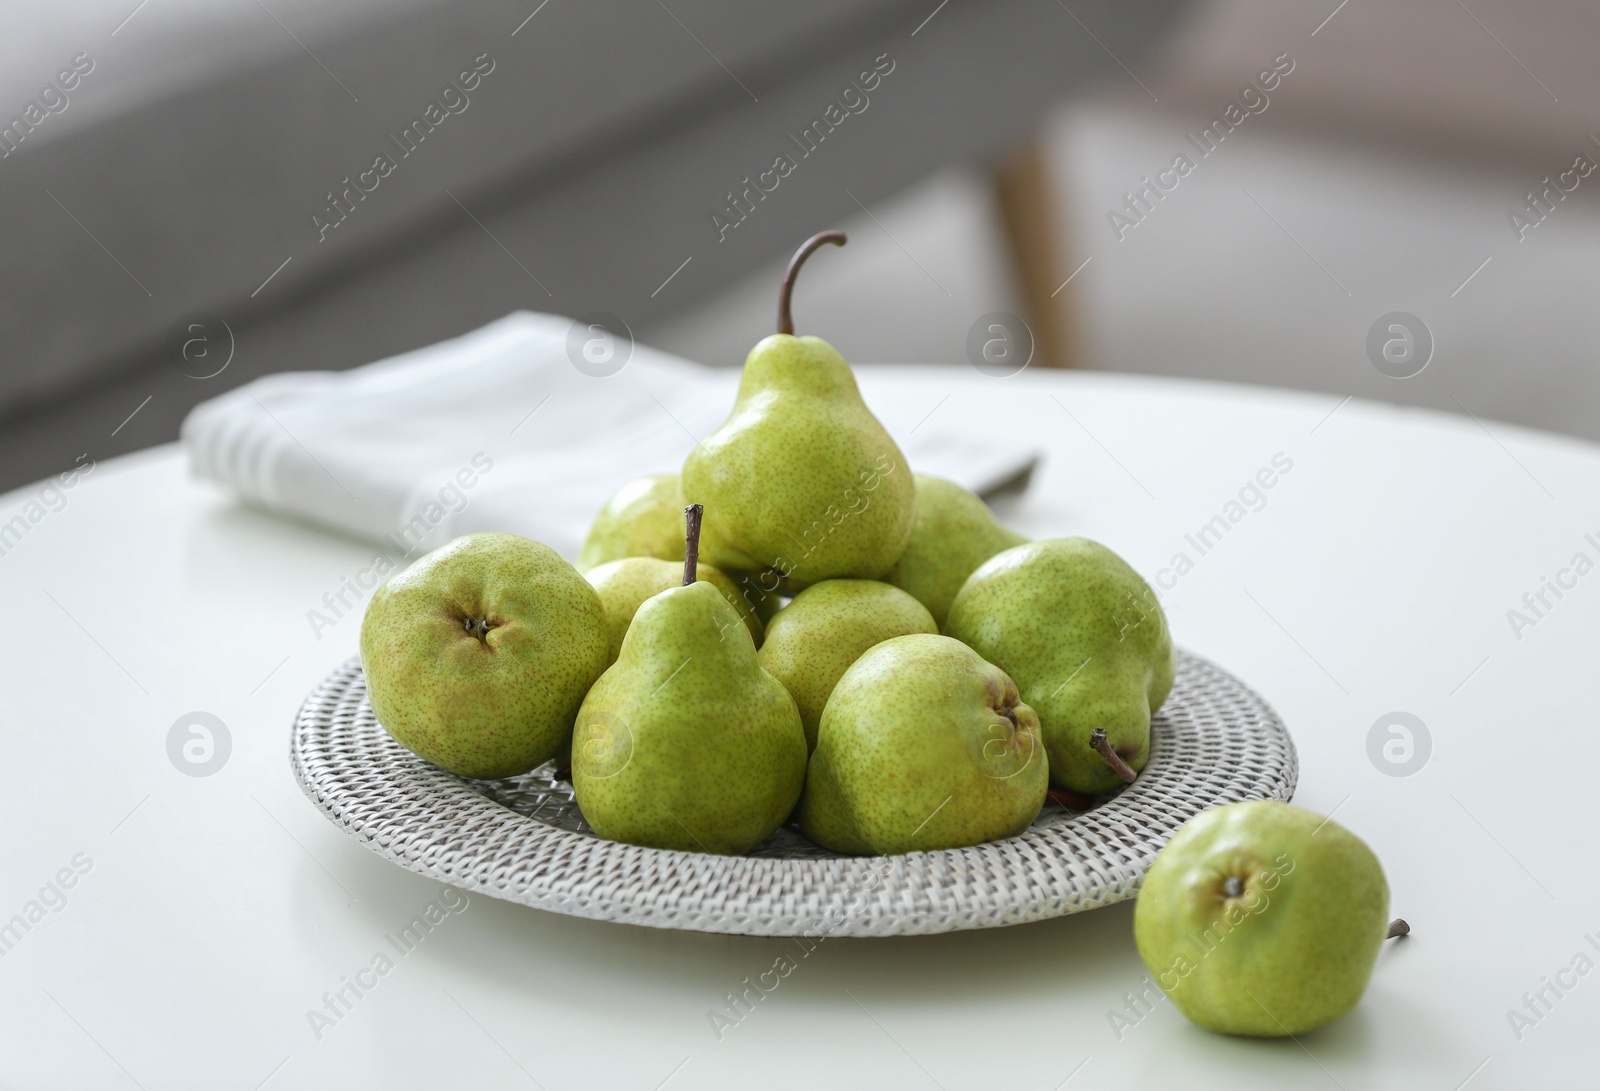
209,916
223,163
1384,177
1479,80
1026,198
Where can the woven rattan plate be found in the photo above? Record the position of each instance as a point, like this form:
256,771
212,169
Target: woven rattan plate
525,841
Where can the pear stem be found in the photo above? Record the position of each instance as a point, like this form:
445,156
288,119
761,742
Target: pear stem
691,541
1397,928
785,320
1102,746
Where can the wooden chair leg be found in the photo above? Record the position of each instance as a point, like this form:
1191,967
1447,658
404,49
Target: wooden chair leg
1024,198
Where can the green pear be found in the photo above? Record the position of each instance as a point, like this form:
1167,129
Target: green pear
825,628
685,742
1088,644
953,533
644,518
802,479
625,585
478,655
923,746
1263,919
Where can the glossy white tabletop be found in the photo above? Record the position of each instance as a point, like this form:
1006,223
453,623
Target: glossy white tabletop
207,916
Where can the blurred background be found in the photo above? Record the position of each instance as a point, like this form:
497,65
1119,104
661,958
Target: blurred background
194,193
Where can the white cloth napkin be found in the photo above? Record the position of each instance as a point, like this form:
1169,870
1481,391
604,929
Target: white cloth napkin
494,430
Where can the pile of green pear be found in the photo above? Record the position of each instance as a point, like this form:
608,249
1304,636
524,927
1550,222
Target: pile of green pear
795,628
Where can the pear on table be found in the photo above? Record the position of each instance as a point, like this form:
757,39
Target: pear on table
479,654
953,533
802,480
1263,919
625,585
814,640
685,742
923,746
1088,645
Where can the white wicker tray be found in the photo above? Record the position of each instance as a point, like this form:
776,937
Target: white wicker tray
524,840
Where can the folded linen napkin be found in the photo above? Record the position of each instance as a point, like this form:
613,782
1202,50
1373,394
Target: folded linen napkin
493,430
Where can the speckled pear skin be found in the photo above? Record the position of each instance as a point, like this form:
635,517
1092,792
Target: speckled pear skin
758,591
923,746
814,640
1087,643
644,518
490,707
625,585
801,478
953,533
1293,949
685,742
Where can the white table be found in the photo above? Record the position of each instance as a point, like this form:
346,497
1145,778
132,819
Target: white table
209,914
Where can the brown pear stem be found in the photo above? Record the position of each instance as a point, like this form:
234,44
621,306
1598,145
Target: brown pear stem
691,541
1397,928
1102,746
785,320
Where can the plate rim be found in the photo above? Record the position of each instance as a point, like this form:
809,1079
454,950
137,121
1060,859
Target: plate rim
500,852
